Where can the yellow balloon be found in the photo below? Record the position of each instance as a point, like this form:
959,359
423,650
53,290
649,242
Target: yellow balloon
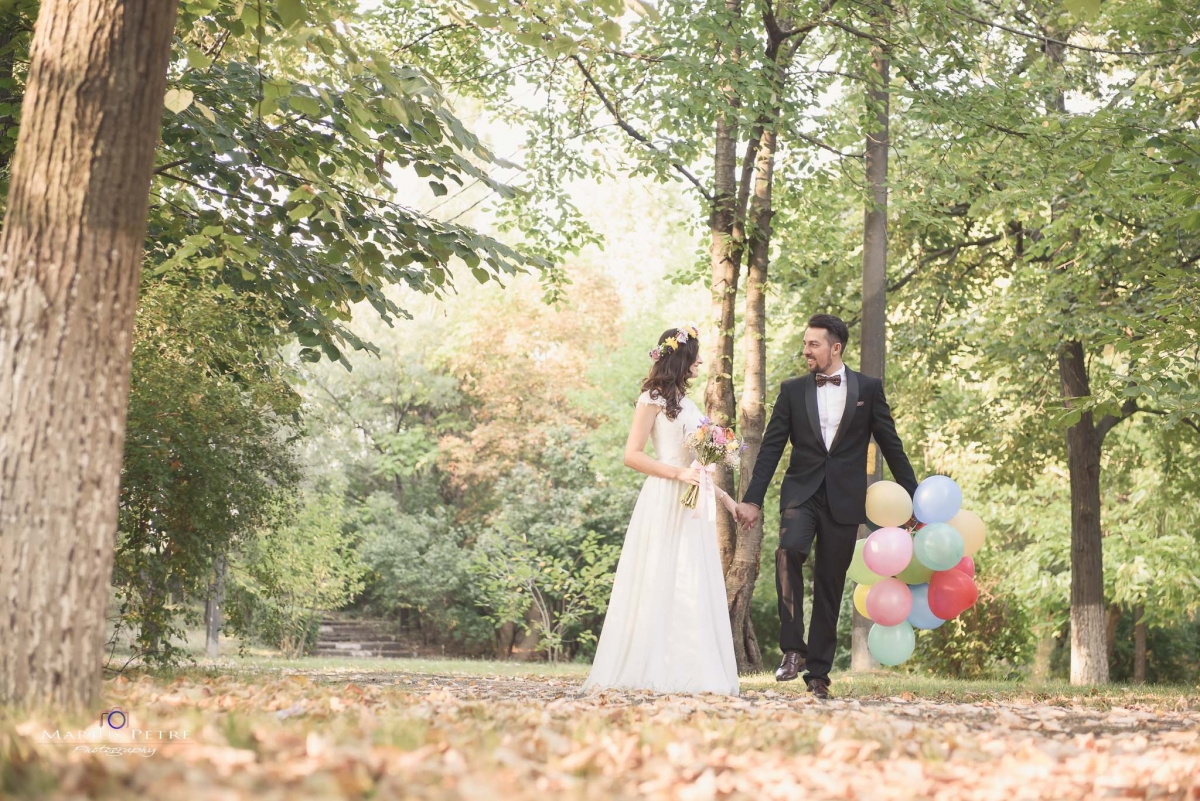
972,529
888,504
860,600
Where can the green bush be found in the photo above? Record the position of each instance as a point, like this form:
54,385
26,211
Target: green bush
285,577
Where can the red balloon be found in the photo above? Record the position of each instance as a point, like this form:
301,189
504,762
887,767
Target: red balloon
967,565
951,592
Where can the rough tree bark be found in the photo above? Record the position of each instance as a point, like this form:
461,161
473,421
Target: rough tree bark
1089,643
725,258
874,300
70,259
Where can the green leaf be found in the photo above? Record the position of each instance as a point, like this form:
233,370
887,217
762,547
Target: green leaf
206,111
1082,9
197,59
302,211
291,11
610,30
177,100
305,105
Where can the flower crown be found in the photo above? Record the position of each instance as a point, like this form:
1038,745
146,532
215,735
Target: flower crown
668,346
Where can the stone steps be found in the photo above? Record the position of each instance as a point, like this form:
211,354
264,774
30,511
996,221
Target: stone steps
372,639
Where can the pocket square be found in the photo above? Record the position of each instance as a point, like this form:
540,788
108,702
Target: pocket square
860,403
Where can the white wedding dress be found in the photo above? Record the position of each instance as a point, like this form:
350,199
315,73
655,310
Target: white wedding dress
667,627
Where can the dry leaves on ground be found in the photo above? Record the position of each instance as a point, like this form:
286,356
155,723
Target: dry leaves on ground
391,735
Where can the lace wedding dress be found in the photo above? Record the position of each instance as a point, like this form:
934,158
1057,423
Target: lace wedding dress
667,627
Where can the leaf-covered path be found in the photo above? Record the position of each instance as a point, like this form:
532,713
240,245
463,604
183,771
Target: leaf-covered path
389,734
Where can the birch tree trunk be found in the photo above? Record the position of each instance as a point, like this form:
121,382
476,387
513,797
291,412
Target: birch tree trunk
743,572
70,260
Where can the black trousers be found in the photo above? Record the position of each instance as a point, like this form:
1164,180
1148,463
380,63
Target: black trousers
800,528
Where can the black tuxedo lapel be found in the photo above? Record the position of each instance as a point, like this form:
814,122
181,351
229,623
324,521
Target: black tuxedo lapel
810,405
851,406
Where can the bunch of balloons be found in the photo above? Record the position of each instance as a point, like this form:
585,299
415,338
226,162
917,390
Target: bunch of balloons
916,580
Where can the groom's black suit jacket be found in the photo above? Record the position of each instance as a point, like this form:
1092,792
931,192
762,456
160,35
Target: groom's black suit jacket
843,467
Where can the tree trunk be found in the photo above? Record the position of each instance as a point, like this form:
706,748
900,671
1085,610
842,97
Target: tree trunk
743,573
1139,645
720,403
213,610
1042,656
70,259
1089,648
874,301
1112,619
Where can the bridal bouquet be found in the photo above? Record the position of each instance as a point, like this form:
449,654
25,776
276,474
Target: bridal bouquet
713,445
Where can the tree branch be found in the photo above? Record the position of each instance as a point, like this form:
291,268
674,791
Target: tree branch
170,165
1048,40
424,36
633,132
1189,422
814,141
1109,421
952,251
808,27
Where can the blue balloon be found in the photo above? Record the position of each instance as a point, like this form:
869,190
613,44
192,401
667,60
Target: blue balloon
938,546
920,617
891,645
937,499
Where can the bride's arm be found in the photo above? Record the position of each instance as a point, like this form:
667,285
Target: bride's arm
726,501
635,448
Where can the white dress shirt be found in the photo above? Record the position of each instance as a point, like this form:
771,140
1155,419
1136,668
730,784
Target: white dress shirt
831,403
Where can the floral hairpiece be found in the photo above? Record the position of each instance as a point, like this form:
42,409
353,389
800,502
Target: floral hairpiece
682,334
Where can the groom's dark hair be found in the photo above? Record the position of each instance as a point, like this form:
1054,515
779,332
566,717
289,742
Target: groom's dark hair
833,326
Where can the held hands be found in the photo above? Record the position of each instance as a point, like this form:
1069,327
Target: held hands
747,514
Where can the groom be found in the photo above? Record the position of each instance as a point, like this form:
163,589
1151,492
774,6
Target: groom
830,416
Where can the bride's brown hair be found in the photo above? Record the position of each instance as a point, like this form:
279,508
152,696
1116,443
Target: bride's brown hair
668,377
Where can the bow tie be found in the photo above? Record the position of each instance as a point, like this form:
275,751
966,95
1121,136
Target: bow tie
822,380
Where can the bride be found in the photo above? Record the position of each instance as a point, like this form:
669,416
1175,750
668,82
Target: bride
667,627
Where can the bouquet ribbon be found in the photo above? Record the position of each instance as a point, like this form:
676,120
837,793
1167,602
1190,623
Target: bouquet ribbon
706,489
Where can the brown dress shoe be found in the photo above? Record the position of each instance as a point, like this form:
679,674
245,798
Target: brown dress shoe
790,667
819,688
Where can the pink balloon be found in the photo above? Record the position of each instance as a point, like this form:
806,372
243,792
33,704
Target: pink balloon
888,551
951,592
967,565
889,601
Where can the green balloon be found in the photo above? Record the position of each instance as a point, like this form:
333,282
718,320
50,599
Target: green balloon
915,573
859,572
891,645
938,546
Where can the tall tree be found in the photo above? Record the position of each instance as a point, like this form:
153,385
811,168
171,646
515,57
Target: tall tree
70,260
874,266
